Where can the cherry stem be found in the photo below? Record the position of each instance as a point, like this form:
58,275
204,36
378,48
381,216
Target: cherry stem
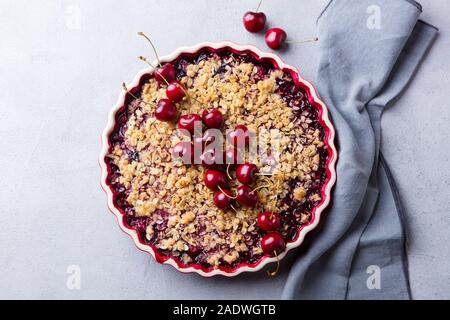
151,43
274,273
259,5
233,208
228,171
124,86
191,97
228,196
260,187
303,41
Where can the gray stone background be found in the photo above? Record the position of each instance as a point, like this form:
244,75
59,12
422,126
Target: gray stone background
61,66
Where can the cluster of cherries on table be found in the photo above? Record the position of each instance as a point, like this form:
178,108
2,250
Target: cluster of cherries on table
215,179
255,22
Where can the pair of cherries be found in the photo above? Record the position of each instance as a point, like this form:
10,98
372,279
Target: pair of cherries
175,92
245,174
272,243
255,22
212,118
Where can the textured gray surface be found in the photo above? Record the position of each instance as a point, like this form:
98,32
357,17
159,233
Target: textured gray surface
60,76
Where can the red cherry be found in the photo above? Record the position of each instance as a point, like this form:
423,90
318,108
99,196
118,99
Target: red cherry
214,179
254,21
211,157
269,221
275,38
239,134
165,73
273,243
222,199
190,122
246,173
165,110
175,91
246,197
213,118
184,150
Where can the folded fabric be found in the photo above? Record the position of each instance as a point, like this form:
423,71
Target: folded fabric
369,50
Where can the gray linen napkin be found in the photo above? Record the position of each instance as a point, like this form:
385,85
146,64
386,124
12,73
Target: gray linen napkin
358,252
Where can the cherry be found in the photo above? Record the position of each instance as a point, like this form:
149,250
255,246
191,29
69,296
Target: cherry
254,21
210,158
165,73
269,221
246,173
213,118
165,110
175,91
214,179
190,122
240,133
246,197
222,199
273,243
184,150
275,38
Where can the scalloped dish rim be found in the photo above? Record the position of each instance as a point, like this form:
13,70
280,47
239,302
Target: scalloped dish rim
325,191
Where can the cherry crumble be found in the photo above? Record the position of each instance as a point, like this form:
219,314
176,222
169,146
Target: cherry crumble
168,203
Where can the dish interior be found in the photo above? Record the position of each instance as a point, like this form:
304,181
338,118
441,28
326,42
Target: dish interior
165,201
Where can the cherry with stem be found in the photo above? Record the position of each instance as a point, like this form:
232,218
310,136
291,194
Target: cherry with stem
142,58
254,21
175,90
276,37
160,65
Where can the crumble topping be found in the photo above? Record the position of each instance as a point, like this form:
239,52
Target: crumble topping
299,193
167,201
